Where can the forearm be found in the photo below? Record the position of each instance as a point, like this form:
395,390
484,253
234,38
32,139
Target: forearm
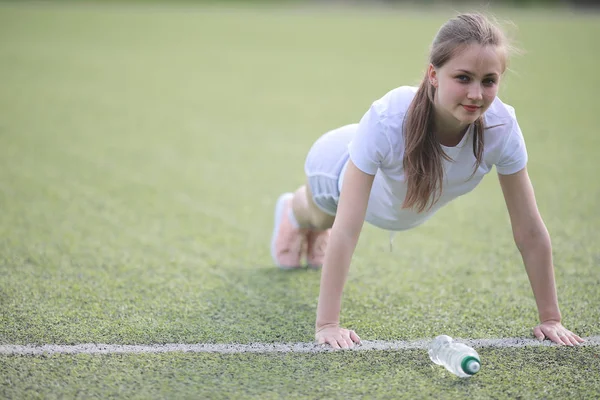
536,251
333,277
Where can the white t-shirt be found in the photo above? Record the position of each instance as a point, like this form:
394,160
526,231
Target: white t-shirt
378,149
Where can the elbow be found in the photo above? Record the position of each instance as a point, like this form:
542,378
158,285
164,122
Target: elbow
528,239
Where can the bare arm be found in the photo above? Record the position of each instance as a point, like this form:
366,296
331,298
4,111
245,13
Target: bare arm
533,241
342,243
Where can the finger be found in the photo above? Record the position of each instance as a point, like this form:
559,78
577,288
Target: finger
552,334
333,342
574,338
354,337
348,341
346,338
342,342
571,337
556,338
537,332
566,337
579,340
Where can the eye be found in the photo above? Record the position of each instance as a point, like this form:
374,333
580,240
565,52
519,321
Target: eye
489,82
463,78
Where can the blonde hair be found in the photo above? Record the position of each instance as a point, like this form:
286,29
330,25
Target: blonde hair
423,154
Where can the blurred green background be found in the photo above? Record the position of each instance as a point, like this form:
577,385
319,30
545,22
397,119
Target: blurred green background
143,146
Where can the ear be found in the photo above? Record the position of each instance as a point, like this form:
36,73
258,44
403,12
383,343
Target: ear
432,76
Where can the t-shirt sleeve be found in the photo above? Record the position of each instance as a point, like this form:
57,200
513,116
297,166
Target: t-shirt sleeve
514,155
370,147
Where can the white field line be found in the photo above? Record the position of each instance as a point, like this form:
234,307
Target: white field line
93,348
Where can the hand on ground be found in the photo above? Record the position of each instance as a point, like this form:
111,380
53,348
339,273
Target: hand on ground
554,331
336,337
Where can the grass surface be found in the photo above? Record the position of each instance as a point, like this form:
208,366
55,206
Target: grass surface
141,153
506,374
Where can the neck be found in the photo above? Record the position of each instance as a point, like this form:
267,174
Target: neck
448,130
449,135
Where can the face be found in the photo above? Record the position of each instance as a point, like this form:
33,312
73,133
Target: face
466,85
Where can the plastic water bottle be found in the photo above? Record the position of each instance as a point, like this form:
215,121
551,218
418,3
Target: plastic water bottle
458,358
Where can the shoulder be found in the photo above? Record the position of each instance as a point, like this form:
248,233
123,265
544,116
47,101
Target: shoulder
396,101
378,140
392,107
500,115
504,139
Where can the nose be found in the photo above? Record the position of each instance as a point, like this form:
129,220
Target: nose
475,92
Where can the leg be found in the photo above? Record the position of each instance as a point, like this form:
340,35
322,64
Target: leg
307,214
318,223
300,227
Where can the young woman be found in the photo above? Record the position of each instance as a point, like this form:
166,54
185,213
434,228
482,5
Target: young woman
415,150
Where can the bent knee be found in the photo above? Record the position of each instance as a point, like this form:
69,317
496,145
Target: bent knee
319,220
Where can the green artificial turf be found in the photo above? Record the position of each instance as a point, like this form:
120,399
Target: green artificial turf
142,149
506,374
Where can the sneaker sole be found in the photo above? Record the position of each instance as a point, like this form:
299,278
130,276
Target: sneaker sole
278,215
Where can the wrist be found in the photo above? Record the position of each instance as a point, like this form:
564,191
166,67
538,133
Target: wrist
548,316
553,319
319,326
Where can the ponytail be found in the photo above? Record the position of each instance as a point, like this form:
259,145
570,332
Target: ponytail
423,154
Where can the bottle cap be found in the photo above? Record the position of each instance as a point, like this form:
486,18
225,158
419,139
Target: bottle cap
470,365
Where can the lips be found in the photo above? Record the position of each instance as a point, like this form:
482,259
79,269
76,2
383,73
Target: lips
471,108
